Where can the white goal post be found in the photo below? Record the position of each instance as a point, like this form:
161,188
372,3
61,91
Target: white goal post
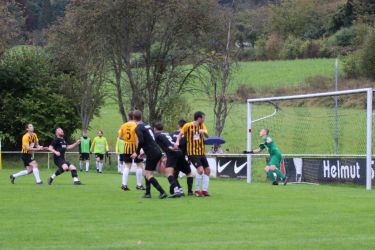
369,117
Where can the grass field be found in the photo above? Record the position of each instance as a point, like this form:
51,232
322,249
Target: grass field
98,215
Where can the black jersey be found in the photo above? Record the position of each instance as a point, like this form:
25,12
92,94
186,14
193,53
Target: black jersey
164,140
182,145
60,145
146,140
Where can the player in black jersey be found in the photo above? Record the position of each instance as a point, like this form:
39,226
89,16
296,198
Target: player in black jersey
184,168
175,157
58,148
146,141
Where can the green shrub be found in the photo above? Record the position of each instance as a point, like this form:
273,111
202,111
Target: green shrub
260,49
292,48
368,57
351,66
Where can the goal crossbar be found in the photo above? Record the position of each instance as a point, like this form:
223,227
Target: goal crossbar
369,117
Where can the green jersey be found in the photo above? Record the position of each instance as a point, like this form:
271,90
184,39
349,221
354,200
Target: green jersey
100,145
270,145
120,146
84,147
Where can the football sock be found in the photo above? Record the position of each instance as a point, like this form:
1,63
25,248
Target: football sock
81,165
74,173
125,175
36,175
205,182
177,182
148,186
21,173
172,182
189,181
97,166
278,172
138,173
155,183
198,180
57,173
87,165
271,176
100,167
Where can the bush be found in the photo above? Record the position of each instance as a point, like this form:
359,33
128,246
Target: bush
292,48
352,67
368,57
310,49
344,37
274,44
30,91
247,54
260,49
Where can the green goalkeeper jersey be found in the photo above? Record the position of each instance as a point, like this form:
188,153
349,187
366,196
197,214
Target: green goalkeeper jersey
85,145
270,145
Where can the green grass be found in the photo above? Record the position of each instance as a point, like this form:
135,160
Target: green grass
99,215
281,73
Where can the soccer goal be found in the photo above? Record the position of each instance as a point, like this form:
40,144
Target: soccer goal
326,137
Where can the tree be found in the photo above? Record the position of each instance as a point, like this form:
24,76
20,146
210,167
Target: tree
219,68
30,92
10,25
154,47
80,54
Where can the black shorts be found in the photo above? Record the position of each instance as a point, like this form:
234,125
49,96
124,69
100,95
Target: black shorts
100,156
199,160
27,159
183,166
59,162
173,159
121,157
152,162
128,159
84,156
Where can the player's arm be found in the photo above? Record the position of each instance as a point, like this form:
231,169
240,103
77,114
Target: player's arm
182,132
117,142
140,137
204,131
92,145
106,145
73,145
52,149
25,142
257,150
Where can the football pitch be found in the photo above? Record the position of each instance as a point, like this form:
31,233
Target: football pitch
98,215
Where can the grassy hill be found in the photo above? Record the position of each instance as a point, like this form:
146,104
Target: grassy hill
269,74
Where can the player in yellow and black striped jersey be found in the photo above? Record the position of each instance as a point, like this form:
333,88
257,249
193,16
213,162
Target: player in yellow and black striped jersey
127,133
30,142
195,132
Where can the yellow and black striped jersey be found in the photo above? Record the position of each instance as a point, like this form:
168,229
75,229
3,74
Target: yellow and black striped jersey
127,133
195,141
29,140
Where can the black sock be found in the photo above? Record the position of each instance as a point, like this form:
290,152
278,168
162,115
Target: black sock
148,186
177,182
155,183
172,181
74,173
171,191
189,181
59,171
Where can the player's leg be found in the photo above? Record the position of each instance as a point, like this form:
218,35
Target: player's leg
73,171
206,176
184,167
58,172
35,170
170,167
125,176
97,161
270,175
100,164
81,162
151,164
27,159
274,164
198,181
139,175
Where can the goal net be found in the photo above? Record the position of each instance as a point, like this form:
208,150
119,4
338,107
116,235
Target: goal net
324,137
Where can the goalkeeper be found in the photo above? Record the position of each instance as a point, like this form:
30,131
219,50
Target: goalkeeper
273,164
